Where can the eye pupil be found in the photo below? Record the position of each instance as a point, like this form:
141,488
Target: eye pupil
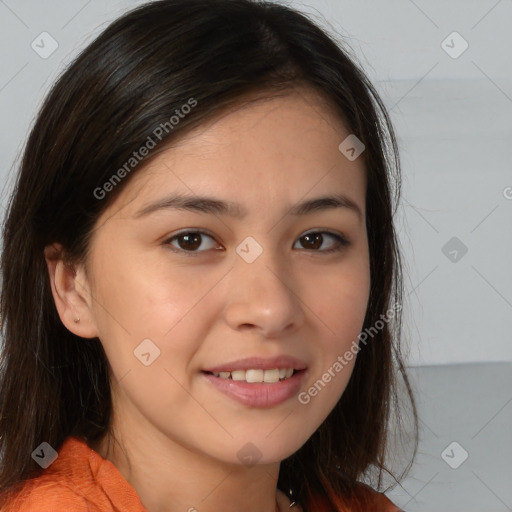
188,237
316,236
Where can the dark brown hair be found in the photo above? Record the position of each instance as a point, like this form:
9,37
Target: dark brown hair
116,93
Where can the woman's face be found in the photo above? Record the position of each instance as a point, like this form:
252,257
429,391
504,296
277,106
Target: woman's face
170,304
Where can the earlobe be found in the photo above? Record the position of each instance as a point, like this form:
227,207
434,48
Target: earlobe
71,293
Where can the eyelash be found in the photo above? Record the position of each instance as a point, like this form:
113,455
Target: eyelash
341,242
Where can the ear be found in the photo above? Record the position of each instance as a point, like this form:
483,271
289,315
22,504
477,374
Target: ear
71,293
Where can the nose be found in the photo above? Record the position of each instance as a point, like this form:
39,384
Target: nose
261,296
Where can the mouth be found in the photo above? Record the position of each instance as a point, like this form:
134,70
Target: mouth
258,383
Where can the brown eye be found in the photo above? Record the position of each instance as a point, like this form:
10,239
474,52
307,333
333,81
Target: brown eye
189,241
314,240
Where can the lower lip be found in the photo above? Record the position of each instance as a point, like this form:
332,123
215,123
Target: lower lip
259,394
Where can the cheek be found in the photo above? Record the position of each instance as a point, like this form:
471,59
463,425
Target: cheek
144,318
340,299
149,337
339,302
142,295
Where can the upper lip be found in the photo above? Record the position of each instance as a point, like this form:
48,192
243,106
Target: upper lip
248,363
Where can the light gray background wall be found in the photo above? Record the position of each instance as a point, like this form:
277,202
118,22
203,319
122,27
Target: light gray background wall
453,116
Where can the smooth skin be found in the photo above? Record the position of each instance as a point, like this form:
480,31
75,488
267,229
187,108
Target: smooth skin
180,435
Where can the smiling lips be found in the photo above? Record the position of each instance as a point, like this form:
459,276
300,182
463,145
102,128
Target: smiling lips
258,382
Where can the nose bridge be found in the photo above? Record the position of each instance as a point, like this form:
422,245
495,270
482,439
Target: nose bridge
261,293
259,258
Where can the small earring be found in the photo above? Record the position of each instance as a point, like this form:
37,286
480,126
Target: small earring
292,500
77,320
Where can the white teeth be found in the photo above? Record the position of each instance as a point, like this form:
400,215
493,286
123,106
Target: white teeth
257,375
254,375
238,375
271,375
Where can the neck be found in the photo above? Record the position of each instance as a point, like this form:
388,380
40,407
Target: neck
168,477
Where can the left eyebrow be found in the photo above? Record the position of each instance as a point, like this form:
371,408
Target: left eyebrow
210,205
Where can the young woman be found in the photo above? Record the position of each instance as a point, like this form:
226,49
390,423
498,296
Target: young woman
201,280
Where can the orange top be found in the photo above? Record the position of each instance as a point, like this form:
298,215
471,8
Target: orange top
81,480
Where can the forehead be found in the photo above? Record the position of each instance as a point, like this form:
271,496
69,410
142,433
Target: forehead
276,149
